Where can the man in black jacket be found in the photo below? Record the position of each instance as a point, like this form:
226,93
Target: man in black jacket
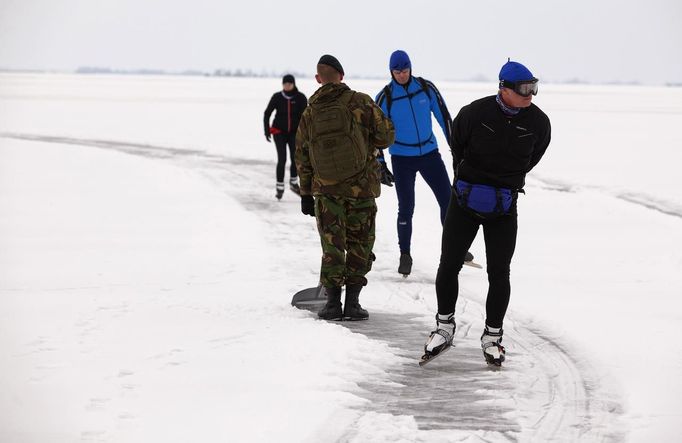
289,105
496,141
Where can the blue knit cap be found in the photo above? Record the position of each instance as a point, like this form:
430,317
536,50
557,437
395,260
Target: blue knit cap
399,61
515,72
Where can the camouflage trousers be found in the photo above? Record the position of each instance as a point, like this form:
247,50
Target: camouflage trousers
347,233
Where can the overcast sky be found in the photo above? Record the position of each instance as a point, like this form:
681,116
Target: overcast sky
589,40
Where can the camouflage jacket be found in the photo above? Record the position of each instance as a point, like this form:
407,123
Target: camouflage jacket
378,131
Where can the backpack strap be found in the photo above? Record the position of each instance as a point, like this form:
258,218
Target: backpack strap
425,86
447,119
346,101
389,99
415,145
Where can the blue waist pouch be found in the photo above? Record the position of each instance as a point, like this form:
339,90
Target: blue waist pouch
483,200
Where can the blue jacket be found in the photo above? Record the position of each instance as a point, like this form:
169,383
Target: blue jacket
410,112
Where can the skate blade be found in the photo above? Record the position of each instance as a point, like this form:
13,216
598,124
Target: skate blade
427,357
473,264
492,361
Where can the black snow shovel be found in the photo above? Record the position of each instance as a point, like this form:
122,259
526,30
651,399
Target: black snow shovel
311,299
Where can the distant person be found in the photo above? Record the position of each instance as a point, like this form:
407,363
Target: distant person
496,141
409,102
336,149
289,104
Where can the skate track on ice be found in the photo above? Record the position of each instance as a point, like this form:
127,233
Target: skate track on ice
543,393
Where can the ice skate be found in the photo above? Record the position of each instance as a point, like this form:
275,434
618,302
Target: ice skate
293,185
493,351
279,187
440,340
405,266
469,261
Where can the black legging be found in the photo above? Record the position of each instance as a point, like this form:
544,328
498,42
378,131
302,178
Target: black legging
459,230
281,142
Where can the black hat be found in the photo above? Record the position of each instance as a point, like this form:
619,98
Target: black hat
288,79
330,60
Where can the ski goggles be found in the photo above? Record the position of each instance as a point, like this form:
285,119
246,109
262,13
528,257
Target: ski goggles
524,88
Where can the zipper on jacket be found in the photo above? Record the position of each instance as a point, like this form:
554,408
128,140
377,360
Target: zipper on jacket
414,118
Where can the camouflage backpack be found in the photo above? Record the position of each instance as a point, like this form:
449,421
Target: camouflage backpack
338,149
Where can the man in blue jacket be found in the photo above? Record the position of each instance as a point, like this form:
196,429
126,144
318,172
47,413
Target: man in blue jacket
409,102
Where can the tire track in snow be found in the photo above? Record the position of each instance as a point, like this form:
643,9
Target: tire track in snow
573,405
542,394
638,198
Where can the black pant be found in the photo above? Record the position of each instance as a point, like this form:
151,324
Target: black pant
281,142
459,230
405,169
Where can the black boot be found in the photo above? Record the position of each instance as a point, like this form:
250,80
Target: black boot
405,266
352,309
332,310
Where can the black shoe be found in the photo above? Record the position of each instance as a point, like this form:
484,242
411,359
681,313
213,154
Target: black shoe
295,188
405,266
279,187
351,308
469,256
332,310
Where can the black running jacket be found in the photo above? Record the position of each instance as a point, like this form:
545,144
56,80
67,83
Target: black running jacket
491,148
289,107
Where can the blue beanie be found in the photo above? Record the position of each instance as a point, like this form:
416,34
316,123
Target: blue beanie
515,72
399,61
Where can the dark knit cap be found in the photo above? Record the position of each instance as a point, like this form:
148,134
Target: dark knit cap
399,61
330,60
288,79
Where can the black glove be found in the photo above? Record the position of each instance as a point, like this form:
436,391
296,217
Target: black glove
267,137
308,205
386,175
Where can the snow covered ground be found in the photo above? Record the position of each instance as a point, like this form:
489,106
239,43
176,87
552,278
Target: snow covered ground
146,272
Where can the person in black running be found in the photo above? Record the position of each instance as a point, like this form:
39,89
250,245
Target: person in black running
289,105
496,141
